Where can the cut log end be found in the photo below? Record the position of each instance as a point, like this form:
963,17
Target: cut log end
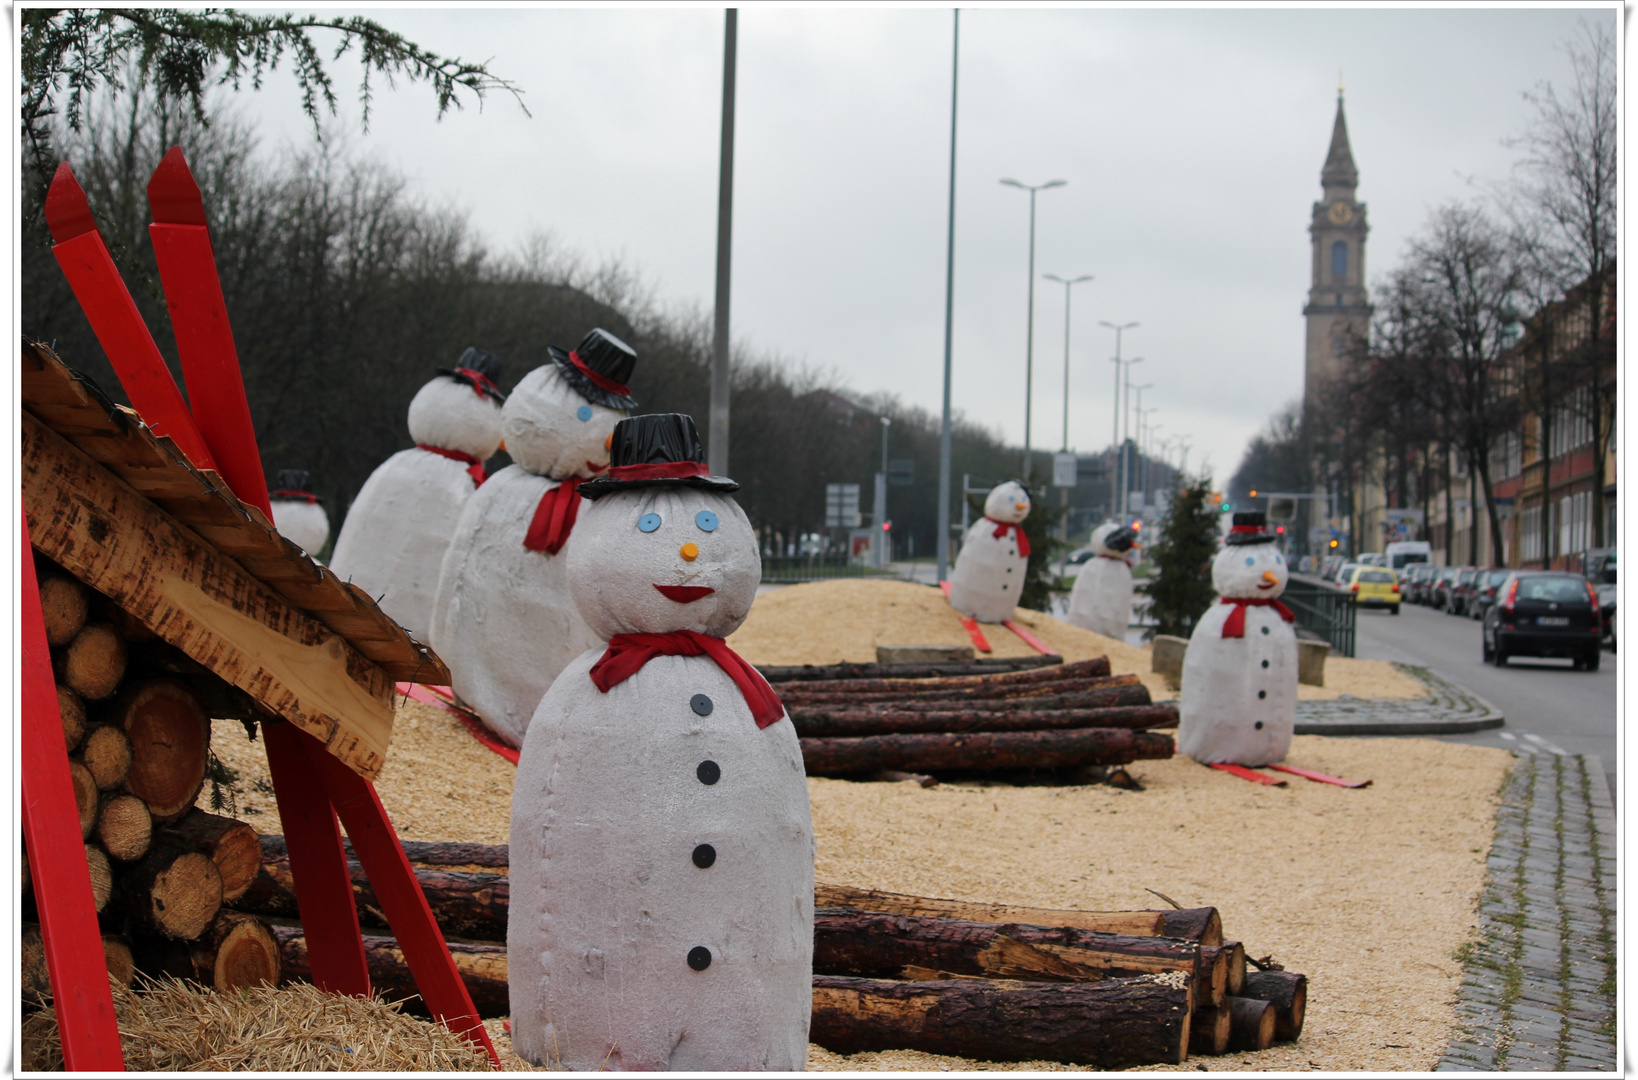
238,952
107,753
1287,991
1210,1030
94,662
102,876
72,708
170,742
177,893
233,846
121,965
86,796
1251,1023
65,603
125,828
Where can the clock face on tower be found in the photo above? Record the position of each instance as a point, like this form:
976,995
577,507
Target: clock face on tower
1341,213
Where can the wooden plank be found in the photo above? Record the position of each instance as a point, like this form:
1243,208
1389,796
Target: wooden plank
203,603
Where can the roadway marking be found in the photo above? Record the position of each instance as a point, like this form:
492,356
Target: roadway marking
1544,744
1508,735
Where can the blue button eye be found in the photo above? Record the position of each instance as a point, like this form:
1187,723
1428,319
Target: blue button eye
1278,561
1250,561
706,520
648,522
584,412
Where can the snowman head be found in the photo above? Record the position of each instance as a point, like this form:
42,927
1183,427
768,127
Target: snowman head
1113,540
451,414
1007,503
552,430
1250,565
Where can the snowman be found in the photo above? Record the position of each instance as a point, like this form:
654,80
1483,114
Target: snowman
662,852
1239,703
397,530
989,571
1102,598
297,512
501,619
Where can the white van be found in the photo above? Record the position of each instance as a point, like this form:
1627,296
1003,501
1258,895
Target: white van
1402,553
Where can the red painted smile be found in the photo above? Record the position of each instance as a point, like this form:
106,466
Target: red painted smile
595,469
684,594
1267,585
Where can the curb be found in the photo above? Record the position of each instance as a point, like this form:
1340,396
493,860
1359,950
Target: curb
1478,715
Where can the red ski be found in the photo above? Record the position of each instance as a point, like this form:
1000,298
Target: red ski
1248,774
1323,778
1028,638
970,624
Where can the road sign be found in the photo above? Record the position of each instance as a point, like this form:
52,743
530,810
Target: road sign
842,506
1282,509
1063,470
901,472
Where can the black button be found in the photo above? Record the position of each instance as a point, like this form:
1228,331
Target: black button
1261,694
1003,586
704,856
1259,725
699,958
700,704
1265,663
1265,629
709,772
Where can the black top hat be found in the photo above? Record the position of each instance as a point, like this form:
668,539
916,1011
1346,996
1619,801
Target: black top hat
479,369
656,450
1121,539
1250,527
598,369
292,484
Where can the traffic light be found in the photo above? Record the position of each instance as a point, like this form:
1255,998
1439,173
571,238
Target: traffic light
887,526
1228,508
1333,543
1279,530
1253,493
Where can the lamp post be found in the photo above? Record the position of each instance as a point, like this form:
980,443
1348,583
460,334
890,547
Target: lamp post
1068,284
717,428
943,546
1145,441
1029,339
1114,466
882,535
1126,423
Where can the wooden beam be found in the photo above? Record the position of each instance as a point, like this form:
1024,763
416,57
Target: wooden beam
195,598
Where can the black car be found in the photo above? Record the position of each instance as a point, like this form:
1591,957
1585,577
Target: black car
1440,588
1543,613
1484,591
1461,591
1598,564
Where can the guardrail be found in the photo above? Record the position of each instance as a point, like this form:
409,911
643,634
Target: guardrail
1324,609
793,570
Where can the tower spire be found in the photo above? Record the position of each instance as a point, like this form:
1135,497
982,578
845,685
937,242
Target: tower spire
1339,171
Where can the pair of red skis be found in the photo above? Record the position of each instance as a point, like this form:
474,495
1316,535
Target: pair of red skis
982,643
311,787
1307,774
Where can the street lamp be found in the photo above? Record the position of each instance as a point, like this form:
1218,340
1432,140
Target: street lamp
1127,473
1068,285
882,536
1029,341
1114,468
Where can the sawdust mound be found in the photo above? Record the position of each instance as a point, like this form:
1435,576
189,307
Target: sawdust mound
172,1026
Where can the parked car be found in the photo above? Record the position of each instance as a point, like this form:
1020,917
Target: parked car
1461,590
1332,563
1404,553
1439,588
1484,591
1598,564
1344,572
1414,582
1544,613
1372,558
1375,586
1079,556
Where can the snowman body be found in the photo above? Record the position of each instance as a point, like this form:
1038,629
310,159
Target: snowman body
661,913
1102,598
1239,697
397,531
301,522
989,571
502,619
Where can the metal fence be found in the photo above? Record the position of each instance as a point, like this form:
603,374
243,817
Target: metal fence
1324,609
793,570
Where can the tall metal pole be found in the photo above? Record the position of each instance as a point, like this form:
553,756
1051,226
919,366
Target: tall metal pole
949,315
1029,339
1137,450
1126,434
1068,285
717,440
883,537
1115,510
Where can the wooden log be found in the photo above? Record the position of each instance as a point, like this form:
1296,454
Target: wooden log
1136,923
984,751
857,722
86,797
1201,924
1109,1024
170,742
780,674
66,604
1042,680
1234,957
174,891
34,980
1251,1024
1104,689
106,753
236,952
1287,991
72,708
232,845
102,876
1210,1030
121,965
482,968
94,662
125,828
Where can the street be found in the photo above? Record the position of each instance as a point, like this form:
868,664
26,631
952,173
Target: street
1550,707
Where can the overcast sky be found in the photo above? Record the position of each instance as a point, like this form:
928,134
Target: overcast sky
1192,141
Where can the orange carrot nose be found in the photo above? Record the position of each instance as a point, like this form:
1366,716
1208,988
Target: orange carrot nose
502,446
1271,577
608,441
689,552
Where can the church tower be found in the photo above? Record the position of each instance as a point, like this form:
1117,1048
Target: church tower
1338,310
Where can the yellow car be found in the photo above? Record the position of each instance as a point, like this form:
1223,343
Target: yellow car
1374,586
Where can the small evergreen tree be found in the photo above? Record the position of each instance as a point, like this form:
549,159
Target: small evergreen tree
1181,590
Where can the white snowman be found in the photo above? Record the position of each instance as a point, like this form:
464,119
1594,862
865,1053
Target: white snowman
662,851
398,529
989,571
297,512
1102,598
502,619
1239,701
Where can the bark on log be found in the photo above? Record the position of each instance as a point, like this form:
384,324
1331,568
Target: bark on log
170,740
87,799
174,891
1201,924
984,751
106,752
34,980
1234,960
235,952
1210,1030
65,604
1287,991
1020,682
94,662
801,673
72,708
847,723
232,845
1110,1024
1135,923
1251,1024
125,828
102,876
1114,689
482,968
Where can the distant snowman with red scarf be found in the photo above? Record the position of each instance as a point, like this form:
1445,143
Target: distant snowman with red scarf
398,529
502,619
297,512
662,852
989,571
1239,701
1102,598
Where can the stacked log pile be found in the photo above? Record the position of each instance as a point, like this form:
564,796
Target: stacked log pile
1059,718
985,981
137,729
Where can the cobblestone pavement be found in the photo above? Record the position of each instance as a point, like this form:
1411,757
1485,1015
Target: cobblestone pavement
1449,709
1538,990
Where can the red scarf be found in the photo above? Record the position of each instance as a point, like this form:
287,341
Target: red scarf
1001,528
474,466
554,518
1117,558
1236,624
627,653
294,496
